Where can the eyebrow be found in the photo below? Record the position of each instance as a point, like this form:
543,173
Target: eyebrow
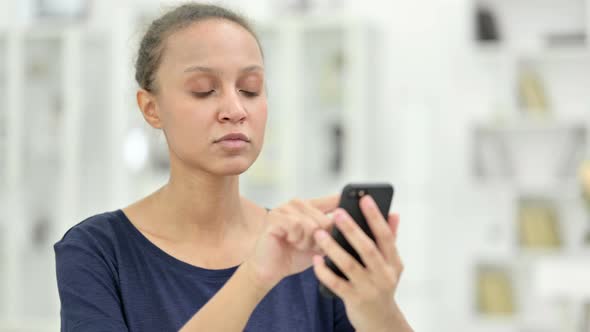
211,70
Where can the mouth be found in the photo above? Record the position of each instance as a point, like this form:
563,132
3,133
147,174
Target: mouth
233,137
233,142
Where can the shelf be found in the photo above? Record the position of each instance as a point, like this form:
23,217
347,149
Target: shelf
531,153
492,51
496,323
558,54
530,23
532,124
535,255
573,273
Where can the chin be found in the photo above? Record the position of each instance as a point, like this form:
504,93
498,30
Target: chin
236,166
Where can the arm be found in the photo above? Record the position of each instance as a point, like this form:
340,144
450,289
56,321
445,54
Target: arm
341,322
87,289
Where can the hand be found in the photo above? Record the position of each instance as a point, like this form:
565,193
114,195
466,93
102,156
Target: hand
368,295
287,245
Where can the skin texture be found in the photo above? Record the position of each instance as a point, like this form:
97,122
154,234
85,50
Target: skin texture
210,83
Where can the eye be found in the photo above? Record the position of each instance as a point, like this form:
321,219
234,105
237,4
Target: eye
249,94
202,94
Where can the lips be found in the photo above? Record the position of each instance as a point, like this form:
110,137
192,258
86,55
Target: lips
233,137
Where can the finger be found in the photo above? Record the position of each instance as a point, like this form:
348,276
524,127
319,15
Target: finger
294,231
303,226
393,221
380,272
352,269
325,204
318,216
379,227
337,285
395,259
279,230
307,242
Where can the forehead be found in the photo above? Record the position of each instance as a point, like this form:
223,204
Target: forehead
216,43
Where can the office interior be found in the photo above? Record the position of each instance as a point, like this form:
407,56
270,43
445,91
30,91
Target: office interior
477,111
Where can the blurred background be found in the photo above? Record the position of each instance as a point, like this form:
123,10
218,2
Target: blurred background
477,111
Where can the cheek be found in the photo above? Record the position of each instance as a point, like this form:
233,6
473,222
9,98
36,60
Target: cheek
261,113
185,123
259,119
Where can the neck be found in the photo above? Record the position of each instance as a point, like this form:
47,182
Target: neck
201,206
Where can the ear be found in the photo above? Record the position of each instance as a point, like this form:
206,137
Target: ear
148,107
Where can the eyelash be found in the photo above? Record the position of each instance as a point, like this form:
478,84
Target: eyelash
248,94
203,94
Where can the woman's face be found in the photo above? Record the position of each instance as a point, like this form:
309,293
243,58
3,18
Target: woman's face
210,84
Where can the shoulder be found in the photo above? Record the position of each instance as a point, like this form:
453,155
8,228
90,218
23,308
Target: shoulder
96,233
103,225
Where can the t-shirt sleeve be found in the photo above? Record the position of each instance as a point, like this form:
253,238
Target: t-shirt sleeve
86,281
341,322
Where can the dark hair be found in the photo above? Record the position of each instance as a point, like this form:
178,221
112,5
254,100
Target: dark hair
151,47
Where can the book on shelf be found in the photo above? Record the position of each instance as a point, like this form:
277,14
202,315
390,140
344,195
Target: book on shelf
533,98
584,177
331,78
495,295
538,224
486,25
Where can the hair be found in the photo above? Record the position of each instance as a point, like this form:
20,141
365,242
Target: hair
151,47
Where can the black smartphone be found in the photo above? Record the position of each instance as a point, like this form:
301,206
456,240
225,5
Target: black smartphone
382,193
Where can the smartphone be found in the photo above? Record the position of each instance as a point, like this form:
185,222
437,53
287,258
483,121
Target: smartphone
382,193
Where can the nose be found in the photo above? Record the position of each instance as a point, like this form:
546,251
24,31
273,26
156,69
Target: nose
232,109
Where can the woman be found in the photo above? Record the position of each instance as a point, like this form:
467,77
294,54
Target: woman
197,256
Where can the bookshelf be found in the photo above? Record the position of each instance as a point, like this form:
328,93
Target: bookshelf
512,151
527,147
46,88
316,136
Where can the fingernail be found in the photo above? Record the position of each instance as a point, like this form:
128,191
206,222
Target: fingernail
370,202
317,259
320,235
339,217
